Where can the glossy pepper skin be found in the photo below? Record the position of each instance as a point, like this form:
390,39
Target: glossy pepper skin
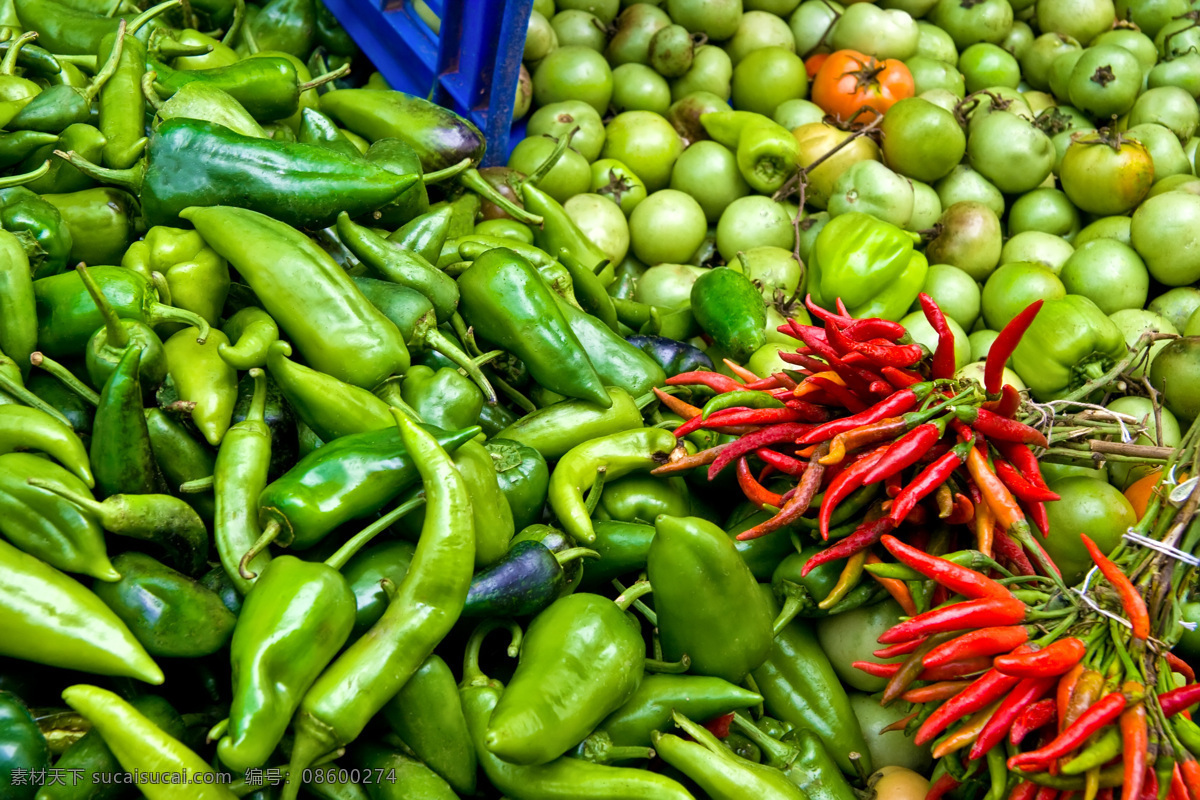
649,708
554,430
330,407
169,613
642,498
251,332
121,454
729,308
202,377
523,476
623,548
506,301
45,525
24,428
427,715
139,744
21,210
305,291
591,651
81,137
64,29
697,577
346,479
1070,342
444,397
526,580
268,87
802,758
22,747
197,277
869,264
616,361
799,687
48,618
293,622
102,221
403,777
180,458
364,572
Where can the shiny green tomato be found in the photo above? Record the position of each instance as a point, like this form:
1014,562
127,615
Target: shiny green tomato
605,10
935,43
791,114
1086,506
964,185
1082,19
931,73
633,30
602,222
758,30
1133,322
767,77
646,143
775,271
618,183
921,140
1053,473
984,65
667,286
1046,210
717,19
969,238
1175,372
1108,273
927,207
636,87
711,71
974,371
1163,232
1105,81
573,73
810,24
577,28
1136,42
1042,52
766,361
1041,248
1014,286
708,172
975,21
1177,305
558,119
1010,152
871,188
882,33
667,227
1104,228
753,221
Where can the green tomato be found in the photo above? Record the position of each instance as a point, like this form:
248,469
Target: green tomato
540,38
1150,15
1090,506
1041,248
1108,273
1082,19
974,371
780,8
637,87
753,221
974,21
964,185
969,239
935,43
573,73
1163,232
1019,39
930,74
981,341
1136,42
1189,642
927,207
576,28
810,226
618,183
1193,325
853,636
891,749
775,319
1105,228
1166,153
775,271
602,222
1177,38
921,140
667,227
1012,287
1182,72
1177,305
646,143
1176,183
1010,152
1105,81
717,19
984,64
1175,372
791,114
768,77
758,30
567,178
766,361
558,119
872,188
667,286
876,31
1046,210
956,293
1123,473
672,51
708,171
635,27
685,113
923,333
1041,54
606,10
1052,473
811,23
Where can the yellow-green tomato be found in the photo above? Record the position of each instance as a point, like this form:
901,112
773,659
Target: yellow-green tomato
766,360
602,222
898,783
774,270
646,143
853,636
974,372
891,749
1089,506
923,333
667,227
955,292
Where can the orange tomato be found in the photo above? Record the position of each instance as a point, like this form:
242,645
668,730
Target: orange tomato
1141,492
849,81
812,64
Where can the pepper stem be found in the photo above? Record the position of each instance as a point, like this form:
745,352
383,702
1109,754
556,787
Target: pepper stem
636,590
197,486
364,537
593,498
702,735
269,534
130,179
792,606
118,337
110,66
19,392
65,377
473,180
160,313
669,667
8,65
25,177
321,80
434,339
437,176
235,27
152,98
472,674
780,755
91,506
572,553
217,731
544,168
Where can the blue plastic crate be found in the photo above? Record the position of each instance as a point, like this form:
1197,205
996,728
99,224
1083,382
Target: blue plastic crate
471,67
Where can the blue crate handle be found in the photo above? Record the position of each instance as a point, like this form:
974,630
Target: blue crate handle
471,68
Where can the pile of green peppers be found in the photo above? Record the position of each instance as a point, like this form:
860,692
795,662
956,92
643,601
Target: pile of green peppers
287,428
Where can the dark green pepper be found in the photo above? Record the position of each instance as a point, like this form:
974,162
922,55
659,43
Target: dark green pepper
49,239
65,29
395,155
524,478
803,759
401,777
23,749
729,308
318,129
554,430
623,548
649,709
287,25
16,146
181,458
528,579
168,612
79,137
270,87
121,454
364,572
424,235
763,554
101,221
445,398
617,362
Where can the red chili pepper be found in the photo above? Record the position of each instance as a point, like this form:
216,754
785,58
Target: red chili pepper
907,450
755,492
983,642
1004,345
865,535
934,692
1021,457
793,508
766,384
784,380
1178,665
882,431
877,670
1191,776
713,380
1150,784
719,726
959,579
1135,741
896,588
1047,793
942,786
969,614
785,464
964,510
1101,713
1038,715
890,355
1040,518
846,398
1131,598
1051,661
804,360
1022,489
784,432
1177,700
1009,403
943,356
928,480
843,486
899,403
984,691
901,378
1001,428
1178,785
860,330
856,378
1006,548
1024,790
731,417
957,669
823,314
1023,695
902,649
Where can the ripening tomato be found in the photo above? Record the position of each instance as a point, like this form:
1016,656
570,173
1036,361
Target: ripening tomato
813,64
849,81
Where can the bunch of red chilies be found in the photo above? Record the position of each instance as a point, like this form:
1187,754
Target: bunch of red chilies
864,405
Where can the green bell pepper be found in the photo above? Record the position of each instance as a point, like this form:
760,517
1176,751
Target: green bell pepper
524,479
871,265
1070,342
23,749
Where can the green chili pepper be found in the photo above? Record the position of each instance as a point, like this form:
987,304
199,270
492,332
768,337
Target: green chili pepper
293,622
307,294
402,777
591,650
121,454
169,613
73,408
649,708
68,316
109,343
619,454
180,458
48,618
364,572
395,155
424,235
524,479
370,672
562,239
62,177
721,773
211,104
617,362
23,212
23,749
642,498
101,221
318,129
327,405
746,399
67,30
18,309
60,106
197,277
1188,733
445,398
554,430
24,428
1097,754
622,546
270,88
697,576
427,715
556,276
122,105
803,759
28,57
139,744
16,146
202,377
251,332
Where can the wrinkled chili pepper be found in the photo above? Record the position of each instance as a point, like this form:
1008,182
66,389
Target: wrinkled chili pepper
1009,403
865,535
907,450
1177,700
680,407
929,479
1035,716
1022,489
785,464
775,434
902,649
895,405
1179,666
1004,345
988,612
755,492
985,690
961,580
1006,548
794,508
1001,428
1131,598
934,692
1024,694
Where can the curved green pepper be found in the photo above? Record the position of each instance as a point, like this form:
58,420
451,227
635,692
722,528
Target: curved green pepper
617,362
23,428
180,457
202,377
623,547
803,759
698,577
401,777
1070,342
109,343
169,613
330,407
649,708
869,264
251,332
524,478
305,291
201,101
445,398
424,235
23,749
79,137
270,88
641,498
364,572
23,211
102,221
121,453
554,430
